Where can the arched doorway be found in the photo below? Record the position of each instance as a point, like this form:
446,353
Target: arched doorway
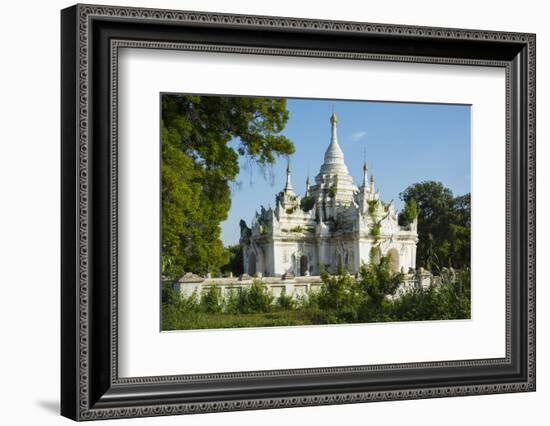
252,263
393,257
303,265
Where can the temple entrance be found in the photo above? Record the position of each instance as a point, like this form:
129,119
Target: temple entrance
252,264
303,265
393,257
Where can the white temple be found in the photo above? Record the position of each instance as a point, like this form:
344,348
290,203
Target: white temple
334,223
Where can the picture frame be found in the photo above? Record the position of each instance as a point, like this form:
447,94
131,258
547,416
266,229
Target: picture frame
90,384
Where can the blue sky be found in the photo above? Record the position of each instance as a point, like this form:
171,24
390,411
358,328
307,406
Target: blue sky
403,143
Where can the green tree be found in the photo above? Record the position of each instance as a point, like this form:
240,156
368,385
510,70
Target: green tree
202,139
443,225
235,263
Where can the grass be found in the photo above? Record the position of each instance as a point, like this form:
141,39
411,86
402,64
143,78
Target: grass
173,319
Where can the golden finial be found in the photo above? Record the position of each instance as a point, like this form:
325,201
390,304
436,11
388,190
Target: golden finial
333,118
365,166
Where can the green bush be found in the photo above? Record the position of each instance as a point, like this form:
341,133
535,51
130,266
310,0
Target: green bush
168,294
285,302
231,302
307,203
372,206
339,297
342,298
451,300
376,282
256,298
211,300
174,306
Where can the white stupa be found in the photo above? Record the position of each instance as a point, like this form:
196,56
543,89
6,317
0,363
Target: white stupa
334,223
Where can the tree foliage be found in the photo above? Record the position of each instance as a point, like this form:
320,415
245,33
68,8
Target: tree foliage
451,300
339,297
409,213
376,283
256,298
202,139
235,263
211,300
443,225
344,298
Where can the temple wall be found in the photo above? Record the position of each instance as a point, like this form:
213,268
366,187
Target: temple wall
296,287
294,257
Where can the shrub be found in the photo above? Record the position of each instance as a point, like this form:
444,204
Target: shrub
372,207
339,297
255,299
169,295
451,300
211,300
231,302
309,301
376,281
307,203
409,213
285,302
175,306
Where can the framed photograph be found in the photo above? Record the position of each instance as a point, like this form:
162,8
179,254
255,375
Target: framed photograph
263,212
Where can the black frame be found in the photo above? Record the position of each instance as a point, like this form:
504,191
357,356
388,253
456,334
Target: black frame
90,386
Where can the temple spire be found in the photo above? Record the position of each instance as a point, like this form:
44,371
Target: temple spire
288,185
333,121
365,173
333,180
334,157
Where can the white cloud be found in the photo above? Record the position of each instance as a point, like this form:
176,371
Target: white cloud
357,136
